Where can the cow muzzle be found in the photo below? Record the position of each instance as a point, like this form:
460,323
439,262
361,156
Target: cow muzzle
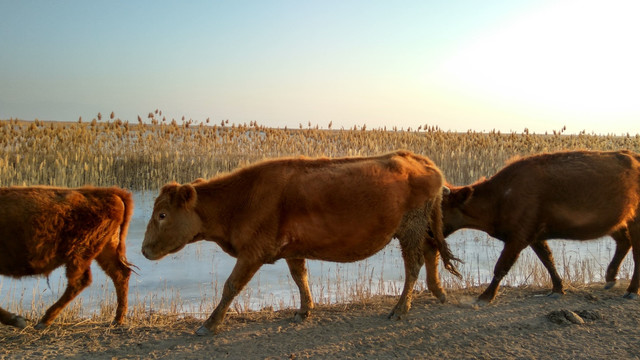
149,254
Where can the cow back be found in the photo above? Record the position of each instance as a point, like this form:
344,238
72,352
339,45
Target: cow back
42,228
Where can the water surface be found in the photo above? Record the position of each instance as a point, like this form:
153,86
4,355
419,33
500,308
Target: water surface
191,280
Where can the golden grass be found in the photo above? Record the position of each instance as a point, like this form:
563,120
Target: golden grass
145,156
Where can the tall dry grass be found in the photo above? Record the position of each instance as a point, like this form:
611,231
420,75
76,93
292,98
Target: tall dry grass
144,156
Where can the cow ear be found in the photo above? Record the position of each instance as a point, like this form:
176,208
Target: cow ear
465,194
169,187
462,195
186,196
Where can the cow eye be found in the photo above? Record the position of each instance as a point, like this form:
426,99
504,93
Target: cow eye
162,216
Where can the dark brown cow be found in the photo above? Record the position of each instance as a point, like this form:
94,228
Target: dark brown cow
578,195
295,209
43,228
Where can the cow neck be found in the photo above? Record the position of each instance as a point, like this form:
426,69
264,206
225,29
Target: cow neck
218,201
482,206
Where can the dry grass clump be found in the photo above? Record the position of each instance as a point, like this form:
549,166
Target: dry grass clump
145,156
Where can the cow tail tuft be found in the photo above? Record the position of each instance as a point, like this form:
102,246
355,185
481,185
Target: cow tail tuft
438,237
127,200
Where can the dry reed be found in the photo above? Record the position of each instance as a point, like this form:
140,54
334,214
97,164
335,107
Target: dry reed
144,156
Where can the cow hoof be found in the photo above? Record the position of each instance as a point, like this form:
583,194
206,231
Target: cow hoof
19,321
116,324
609,285
301,316
203,331
40,326
442,298
630,296
481,302
554,295
397,315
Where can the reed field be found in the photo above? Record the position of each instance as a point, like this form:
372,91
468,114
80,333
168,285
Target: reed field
145,155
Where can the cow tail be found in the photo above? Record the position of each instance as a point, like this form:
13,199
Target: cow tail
127,200
438,236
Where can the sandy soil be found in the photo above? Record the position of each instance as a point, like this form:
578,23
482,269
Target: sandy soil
522,323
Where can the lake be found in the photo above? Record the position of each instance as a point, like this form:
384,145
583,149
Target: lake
191,280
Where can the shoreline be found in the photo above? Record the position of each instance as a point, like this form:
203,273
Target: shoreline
521,323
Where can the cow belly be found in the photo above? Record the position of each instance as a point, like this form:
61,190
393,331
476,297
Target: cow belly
337,236
583,224
16,267
337,249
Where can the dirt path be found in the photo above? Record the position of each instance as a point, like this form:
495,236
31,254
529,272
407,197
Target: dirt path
522,323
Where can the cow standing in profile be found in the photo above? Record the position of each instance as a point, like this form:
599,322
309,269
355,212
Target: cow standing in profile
43,228
339,210
578,195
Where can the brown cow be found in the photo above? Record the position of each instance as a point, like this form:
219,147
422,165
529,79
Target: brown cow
340,210
578,195
43,228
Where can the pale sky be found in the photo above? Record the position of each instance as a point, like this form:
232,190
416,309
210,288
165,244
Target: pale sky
481,65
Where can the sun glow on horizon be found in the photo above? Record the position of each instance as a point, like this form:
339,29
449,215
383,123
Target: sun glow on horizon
458,65
574,59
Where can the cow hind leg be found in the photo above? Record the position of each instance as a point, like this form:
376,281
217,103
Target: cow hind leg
623,244
542,250
634,235
242,272
412,254
10,319
109,260
78,278
298,270
431,260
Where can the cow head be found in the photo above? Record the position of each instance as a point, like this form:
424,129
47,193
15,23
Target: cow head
174,222
453,205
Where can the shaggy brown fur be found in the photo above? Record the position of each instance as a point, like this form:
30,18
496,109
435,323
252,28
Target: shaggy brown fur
43,228
341,210
579,195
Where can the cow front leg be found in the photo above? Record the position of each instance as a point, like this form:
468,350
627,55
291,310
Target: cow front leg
298,270
10,319
242,273
413,261
507,258
431,260
623,244
541,248
77,280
